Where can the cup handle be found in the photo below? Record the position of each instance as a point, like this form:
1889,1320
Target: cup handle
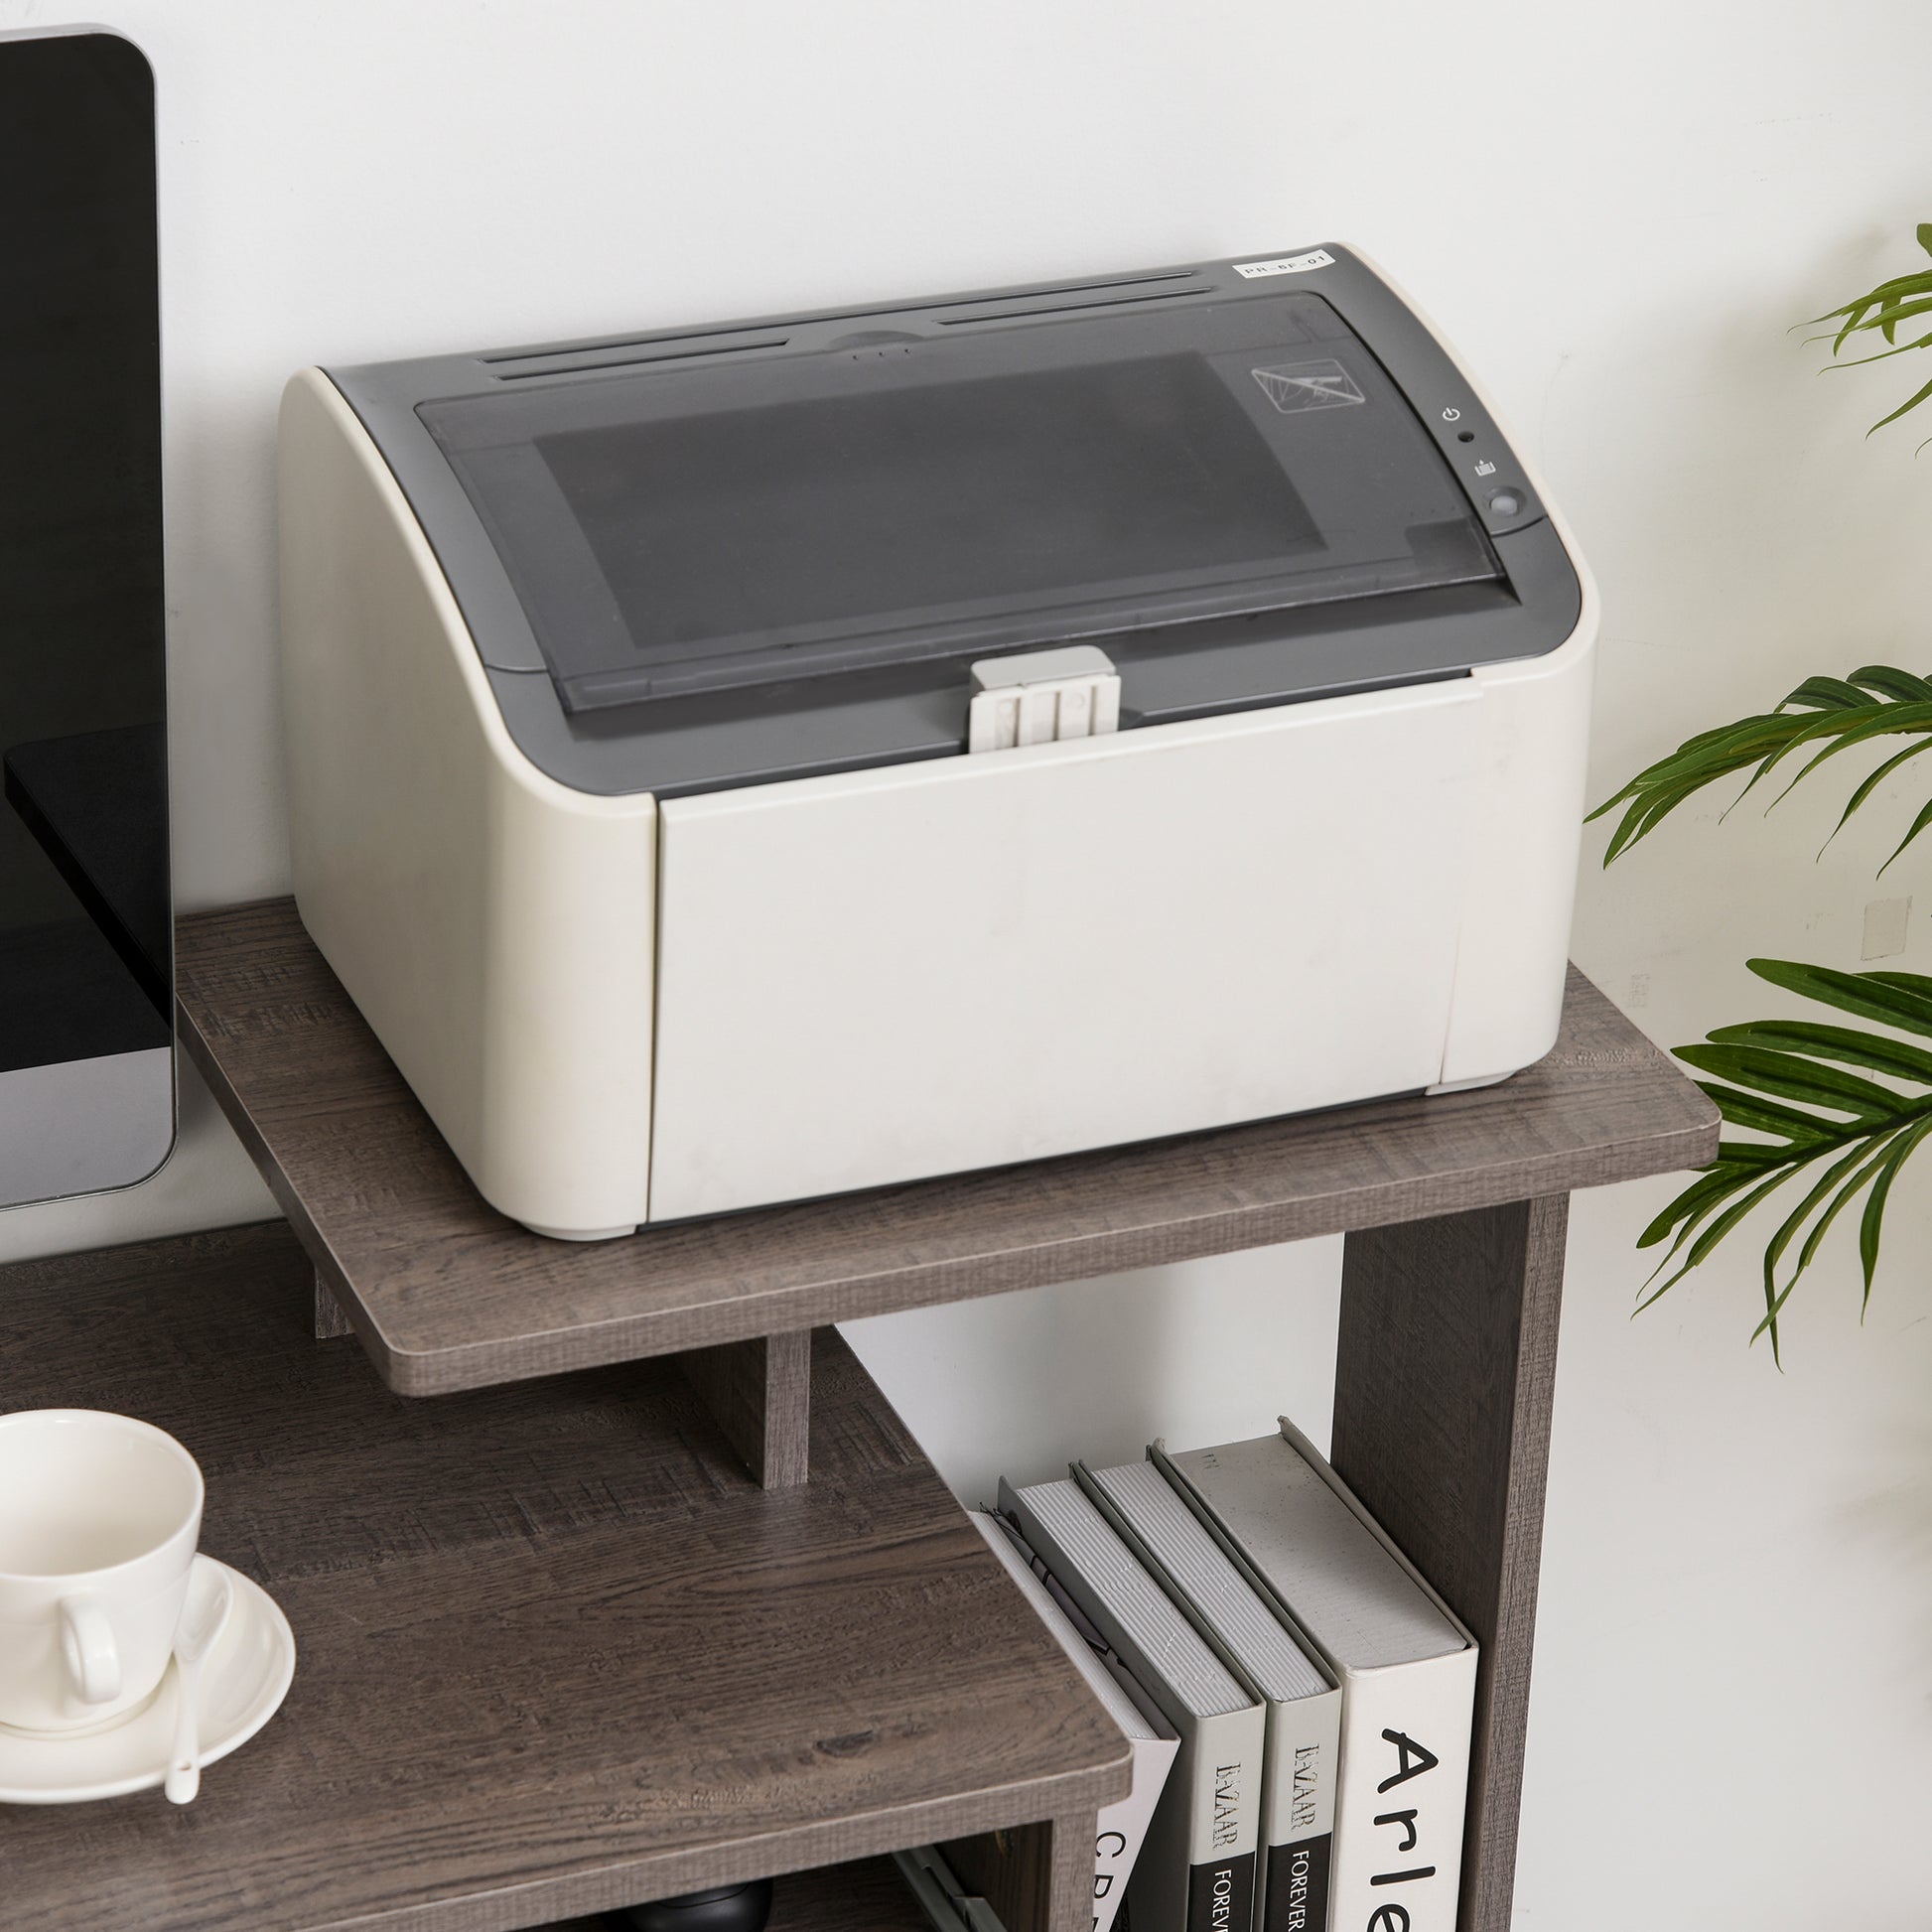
92,1659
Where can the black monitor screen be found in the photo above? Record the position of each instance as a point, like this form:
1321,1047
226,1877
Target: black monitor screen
84,931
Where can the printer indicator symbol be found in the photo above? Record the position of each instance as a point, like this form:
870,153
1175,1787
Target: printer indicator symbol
1295,386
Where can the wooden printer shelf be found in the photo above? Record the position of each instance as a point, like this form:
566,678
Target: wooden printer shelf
447,1293
555,1653
1454,1210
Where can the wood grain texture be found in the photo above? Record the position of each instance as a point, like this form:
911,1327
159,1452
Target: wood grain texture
331,1322
556,1653
1037,1878
447,1293
865,1896
1444,1375
761,1392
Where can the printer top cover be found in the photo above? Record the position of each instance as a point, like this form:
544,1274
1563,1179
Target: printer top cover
758,550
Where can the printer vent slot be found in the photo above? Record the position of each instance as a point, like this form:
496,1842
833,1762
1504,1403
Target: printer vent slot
667,339
1044,302
595,362
1053,298
1166,277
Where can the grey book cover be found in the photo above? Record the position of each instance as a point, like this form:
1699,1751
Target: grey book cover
1303,1700
1406,1666
1197,1870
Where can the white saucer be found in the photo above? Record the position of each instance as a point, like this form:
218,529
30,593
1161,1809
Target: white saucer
244,1679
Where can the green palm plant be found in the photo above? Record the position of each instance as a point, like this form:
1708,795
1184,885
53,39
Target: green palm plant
1833,1108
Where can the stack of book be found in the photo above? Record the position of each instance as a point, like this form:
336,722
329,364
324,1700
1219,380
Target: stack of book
1298,1698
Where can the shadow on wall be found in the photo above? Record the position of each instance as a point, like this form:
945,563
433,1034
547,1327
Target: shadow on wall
1018,1385
1889,1525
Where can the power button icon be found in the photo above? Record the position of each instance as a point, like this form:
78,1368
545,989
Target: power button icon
1451,415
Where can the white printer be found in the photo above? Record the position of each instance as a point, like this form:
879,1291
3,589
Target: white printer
747,762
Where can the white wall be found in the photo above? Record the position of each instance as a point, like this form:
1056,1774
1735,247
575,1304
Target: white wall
1616,210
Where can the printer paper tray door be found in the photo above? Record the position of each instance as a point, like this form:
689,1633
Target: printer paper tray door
920,969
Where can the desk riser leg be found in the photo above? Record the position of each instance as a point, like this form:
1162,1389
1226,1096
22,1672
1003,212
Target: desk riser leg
331,1322
1037,1878
1444,1373
761,1392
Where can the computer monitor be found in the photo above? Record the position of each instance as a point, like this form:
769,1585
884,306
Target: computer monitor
86,1034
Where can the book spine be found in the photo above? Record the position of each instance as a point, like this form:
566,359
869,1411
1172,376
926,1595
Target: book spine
1225,1819
1123,1829
1196,1868
1303,1761
1221,1894
1405,1780
1299,1889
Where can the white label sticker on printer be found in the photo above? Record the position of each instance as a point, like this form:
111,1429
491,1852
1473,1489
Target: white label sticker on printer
1286,264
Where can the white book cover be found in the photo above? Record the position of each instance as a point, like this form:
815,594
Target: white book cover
1406,1665
1196,1868
1301,1770
1122,1826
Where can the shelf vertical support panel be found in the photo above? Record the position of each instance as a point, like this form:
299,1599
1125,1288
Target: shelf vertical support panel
760,1393
1037,1878
1446,1367
331,1322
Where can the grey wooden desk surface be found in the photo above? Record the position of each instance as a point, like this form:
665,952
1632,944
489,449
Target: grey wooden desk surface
555,1653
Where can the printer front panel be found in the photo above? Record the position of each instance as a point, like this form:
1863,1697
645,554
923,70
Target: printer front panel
875,977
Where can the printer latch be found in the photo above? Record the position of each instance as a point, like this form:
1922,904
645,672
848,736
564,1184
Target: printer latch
1038,696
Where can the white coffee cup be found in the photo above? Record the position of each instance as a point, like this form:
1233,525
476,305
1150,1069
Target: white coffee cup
100,1515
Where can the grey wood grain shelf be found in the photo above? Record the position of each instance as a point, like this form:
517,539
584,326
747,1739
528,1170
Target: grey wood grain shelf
865,1896
1453,1209
556,1654
446,1293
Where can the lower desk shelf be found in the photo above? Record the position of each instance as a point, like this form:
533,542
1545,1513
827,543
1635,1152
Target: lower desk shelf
865,1896
556,1654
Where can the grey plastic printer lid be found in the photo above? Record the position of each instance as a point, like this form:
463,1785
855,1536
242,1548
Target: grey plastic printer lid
727,554
676,530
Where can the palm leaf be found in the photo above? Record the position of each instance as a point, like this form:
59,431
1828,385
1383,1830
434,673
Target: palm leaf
1917,826
1835,714
1793,1127
1871,1223
1834,1185
1793,1076
1880,354
1843,1045
1871,783
1843,1134
1902,685
1902,299
1787,1229
1804,1088
1901,1000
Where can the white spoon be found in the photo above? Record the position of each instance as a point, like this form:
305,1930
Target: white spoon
202,1616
